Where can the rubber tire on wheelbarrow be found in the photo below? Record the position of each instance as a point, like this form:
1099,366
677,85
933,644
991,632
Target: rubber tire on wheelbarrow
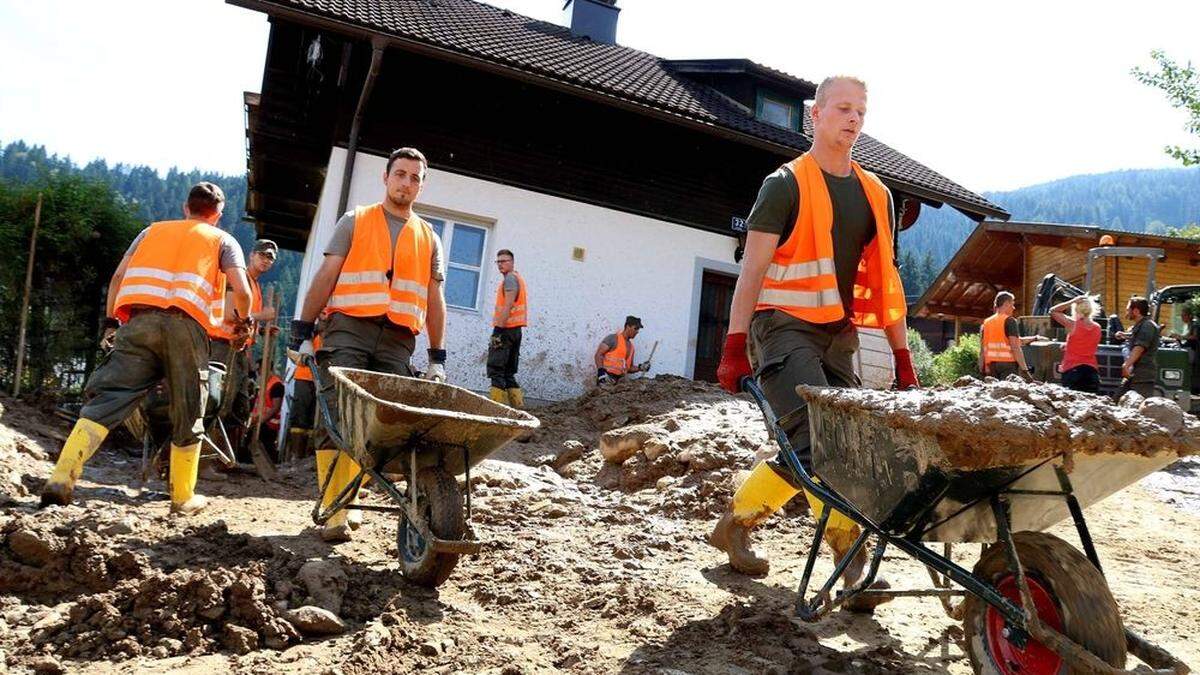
1085,605
441,501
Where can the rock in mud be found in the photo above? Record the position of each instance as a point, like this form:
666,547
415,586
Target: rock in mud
325,582
316,621
238,639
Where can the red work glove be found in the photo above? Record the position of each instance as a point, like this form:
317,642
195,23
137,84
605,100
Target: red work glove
734,363
906,375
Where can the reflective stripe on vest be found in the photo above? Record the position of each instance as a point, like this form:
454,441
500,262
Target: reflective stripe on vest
994,342
362,287
802,278
175,265
518,313
619,359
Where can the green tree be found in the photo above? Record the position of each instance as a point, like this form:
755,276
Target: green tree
85,226
922,357
960,358
1181,84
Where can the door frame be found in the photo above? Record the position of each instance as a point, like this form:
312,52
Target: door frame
701,266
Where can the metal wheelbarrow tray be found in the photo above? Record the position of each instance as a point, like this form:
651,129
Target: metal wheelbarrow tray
1033,603
427,433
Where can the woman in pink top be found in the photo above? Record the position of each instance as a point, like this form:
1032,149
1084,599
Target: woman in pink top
1079,368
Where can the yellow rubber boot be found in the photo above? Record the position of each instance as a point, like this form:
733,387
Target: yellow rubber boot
324,460
185,464
840,531
337,528
85,438
516,397
498,395
762,494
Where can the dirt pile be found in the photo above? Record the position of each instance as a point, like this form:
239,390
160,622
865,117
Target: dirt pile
678,442
1002,422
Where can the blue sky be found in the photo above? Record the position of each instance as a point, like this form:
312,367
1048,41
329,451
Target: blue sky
994,95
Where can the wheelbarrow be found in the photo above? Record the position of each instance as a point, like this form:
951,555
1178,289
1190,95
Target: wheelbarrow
1033,604
426,433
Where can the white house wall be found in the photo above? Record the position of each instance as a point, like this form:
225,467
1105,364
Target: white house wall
632,265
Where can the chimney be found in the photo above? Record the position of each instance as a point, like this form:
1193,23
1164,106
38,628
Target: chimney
593,19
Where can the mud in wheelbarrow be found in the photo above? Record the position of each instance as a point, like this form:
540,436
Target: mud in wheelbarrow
1033,603
425,434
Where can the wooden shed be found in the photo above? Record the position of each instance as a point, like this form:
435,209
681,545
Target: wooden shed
1015,256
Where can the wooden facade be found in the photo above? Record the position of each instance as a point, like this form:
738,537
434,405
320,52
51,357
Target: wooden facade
1015,257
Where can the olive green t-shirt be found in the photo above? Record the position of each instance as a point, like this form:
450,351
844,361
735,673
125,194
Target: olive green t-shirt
1145,335
778,204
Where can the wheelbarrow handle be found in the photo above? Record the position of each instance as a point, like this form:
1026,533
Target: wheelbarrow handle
330,427
792,460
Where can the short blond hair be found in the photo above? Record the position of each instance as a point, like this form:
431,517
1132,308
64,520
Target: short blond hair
823,88
1085,305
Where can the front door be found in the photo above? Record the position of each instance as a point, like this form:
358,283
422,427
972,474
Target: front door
716,295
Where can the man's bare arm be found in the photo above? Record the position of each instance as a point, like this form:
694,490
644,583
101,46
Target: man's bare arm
435,318
600,352
1014,343
510,299
321,287
760,248
239,287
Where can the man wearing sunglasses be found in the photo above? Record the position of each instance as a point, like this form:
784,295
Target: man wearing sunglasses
509,317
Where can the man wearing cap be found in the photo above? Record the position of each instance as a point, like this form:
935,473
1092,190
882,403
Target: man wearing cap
614,356
237,361
163,304
819,263
379,286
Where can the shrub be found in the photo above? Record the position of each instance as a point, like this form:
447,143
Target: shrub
922,357
960,358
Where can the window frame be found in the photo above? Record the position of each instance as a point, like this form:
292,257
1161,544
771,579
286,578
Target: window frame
794,106
450,220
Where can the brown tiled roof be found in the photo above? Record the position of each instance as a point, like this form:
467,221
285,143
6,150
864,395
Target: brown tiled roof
547,50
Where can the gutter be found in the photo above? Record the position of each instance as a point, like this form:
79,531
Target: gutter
377,47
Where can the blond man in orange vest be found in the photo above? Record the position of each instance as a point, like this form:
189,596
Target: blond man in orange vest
819,263
614,356
163,304
509,318
379,286
1000,353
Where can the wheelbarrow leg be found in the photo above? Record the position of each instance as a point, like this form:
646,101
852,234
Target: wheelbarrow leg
467,471
1085,537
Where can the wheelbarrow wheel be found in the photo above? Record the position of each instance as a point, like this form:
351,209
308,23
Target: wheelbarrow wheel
1070,596
440,505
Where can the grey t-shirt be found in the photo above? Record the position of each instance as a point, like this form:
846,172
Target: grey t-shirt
343,236
511,284
1145,334
231,251
610,341
778,205
1011,328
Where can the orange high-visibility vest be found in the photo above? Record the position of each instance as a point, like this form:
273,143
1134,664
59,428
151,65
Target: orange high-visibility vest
224,330
362,287
518,313
303,372
265,398
619,359
996,348
802,278
176,265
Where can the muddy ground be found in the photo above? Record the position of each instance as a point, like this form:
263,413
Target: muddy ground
588,566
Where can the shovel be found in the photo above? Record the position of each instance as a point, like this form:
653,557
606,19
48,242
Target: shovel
258,453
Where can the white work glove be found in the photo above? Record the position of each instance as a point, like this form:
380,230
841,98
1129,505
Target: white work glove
436,373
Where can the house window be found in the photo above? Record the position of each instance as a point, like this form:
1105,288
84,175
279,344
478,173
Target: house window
779,111
463,247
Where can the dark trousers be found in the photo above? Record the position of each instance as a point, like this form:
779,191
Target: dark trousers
368,343
1082,378
303,408
787,352
1002,369
504,355
1146,389
154,344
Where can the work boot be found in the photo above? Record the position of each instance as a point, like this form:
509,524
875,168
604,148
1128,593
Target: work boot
86,436
335,533
337,529
516,397
733,538
185,465
498,395
764,492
